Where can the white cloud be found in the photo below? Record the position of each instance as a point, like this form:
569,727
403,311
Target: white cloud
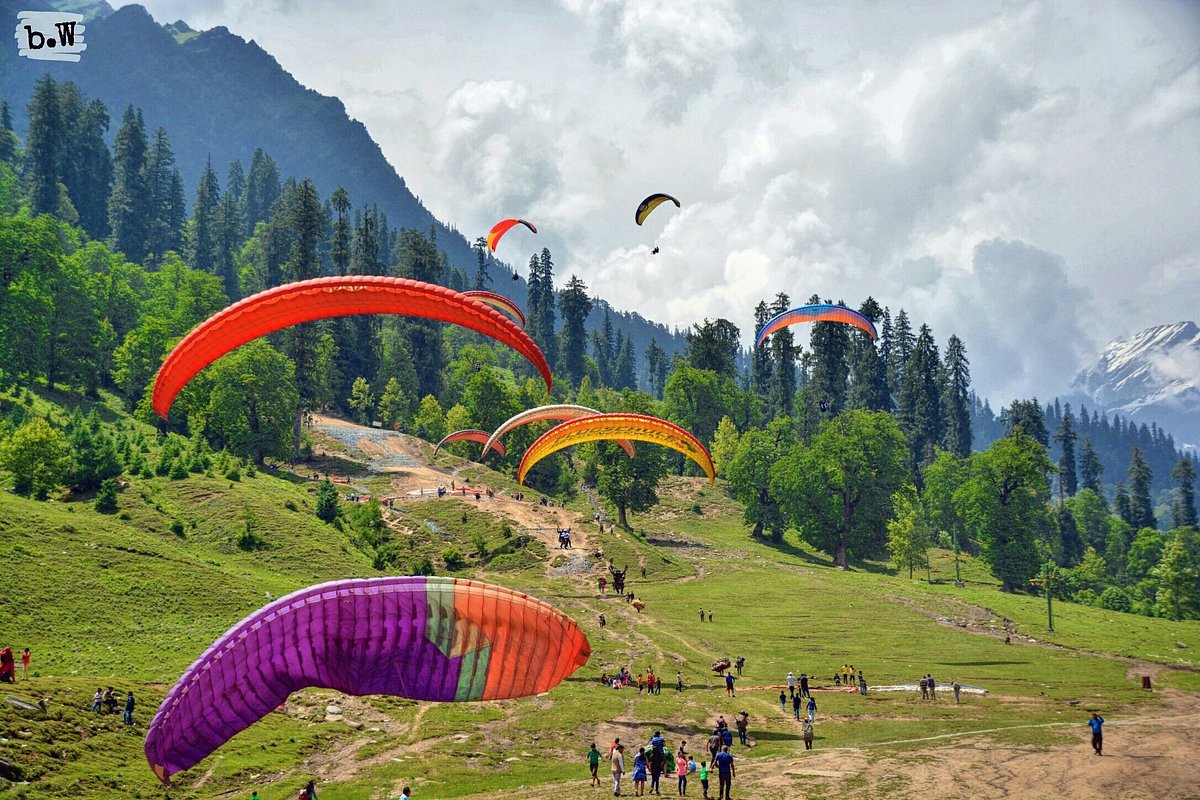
963,160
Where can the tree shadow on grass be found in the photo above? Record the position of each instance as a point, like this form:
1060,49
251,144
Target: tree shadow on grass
787,548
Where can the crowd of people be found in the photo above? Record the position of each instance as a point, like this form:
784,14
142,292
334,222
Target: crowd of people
105,701
655,759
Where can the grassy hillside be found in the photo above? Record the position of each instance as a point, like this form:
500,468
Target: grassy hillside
124,600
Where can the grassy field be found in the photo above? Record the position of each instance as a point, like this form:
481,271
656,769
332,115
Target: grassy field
124,600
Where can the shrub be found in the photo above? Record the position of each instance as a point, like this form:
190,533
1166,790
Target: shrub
422,566
696,509
1086,596
179,470
1114,598
250,541
290,505
506,529
234,474
453,558
328,506
106,498
177,527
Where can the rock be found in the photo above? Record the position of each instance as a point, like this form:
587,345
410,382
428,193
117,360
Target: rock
1181,645
512,758
333,717
336,711
10,771
24,734
353,724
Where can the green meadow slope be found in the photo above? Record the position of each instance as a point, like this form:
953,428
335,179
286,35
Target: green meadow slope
128,601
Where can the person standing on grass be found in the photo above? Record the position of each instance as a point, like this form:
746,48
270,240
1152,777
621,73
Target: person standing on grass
804,685
703,773
925,688
932,687
791,683
25,664
639,773
796,705
593,759
742,721
702,615
957,688
725,773
617,761
1095,724
405,794
681,773
782,701
729,684
98,701
658,761
807,729
812,708
127,716
679,680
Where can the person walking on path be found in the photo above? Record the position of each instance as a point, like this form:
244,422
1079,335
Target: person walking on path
796,706
617,763
812,709
804,685
729,684
714,744
1095,724
725,773
791,683
127,716
782,701
703,773
593,759
639,773
807,729
742,721
957,688
681,773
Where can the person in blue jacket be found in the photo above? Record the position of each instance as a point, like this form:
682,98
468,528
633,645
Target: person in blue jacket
1095,724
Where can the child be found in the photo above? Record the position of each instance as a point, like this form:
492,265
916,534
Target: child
783,702
704,778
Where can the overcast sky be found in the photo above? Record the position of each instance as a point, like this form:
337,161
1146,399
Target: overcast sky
1023,174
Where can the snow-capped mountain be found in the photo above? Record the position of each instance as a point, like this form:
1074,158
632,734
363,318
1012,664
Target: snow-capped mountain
1151,376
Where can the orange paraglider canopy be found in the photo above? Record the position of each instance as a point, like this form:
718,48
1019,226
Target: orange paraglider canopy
468,435
320,298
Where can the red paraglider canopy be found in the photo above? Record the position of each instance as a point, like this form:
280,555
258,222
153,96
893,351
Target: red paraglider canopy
320,298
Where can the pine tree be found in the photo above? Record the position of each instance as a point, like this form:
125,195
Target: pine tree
1123,504
575,305
1090,469
919,404
604,350
902,342
164,228
956,409
87,167
230,226
656,368
1066,436
128,208
205,221
1141,505
262,190
44,147
483,278
625,376
1027,416
339,242
420,260
784,352
541,305
304,263
8,139
1183,512
760,364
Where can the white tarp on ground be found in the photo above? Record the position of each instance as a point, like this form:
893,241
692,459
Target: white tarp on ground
941,687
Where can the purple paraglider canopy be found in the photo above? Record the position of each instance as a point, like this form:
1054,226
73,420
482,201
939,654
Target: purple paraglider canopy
424,638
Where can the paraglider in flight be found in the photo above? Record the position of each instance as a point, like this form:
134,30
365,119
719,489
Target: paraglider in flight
500,228
617,426
468,435
818,312
320,298
555,412
498,301
650,203
423,638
